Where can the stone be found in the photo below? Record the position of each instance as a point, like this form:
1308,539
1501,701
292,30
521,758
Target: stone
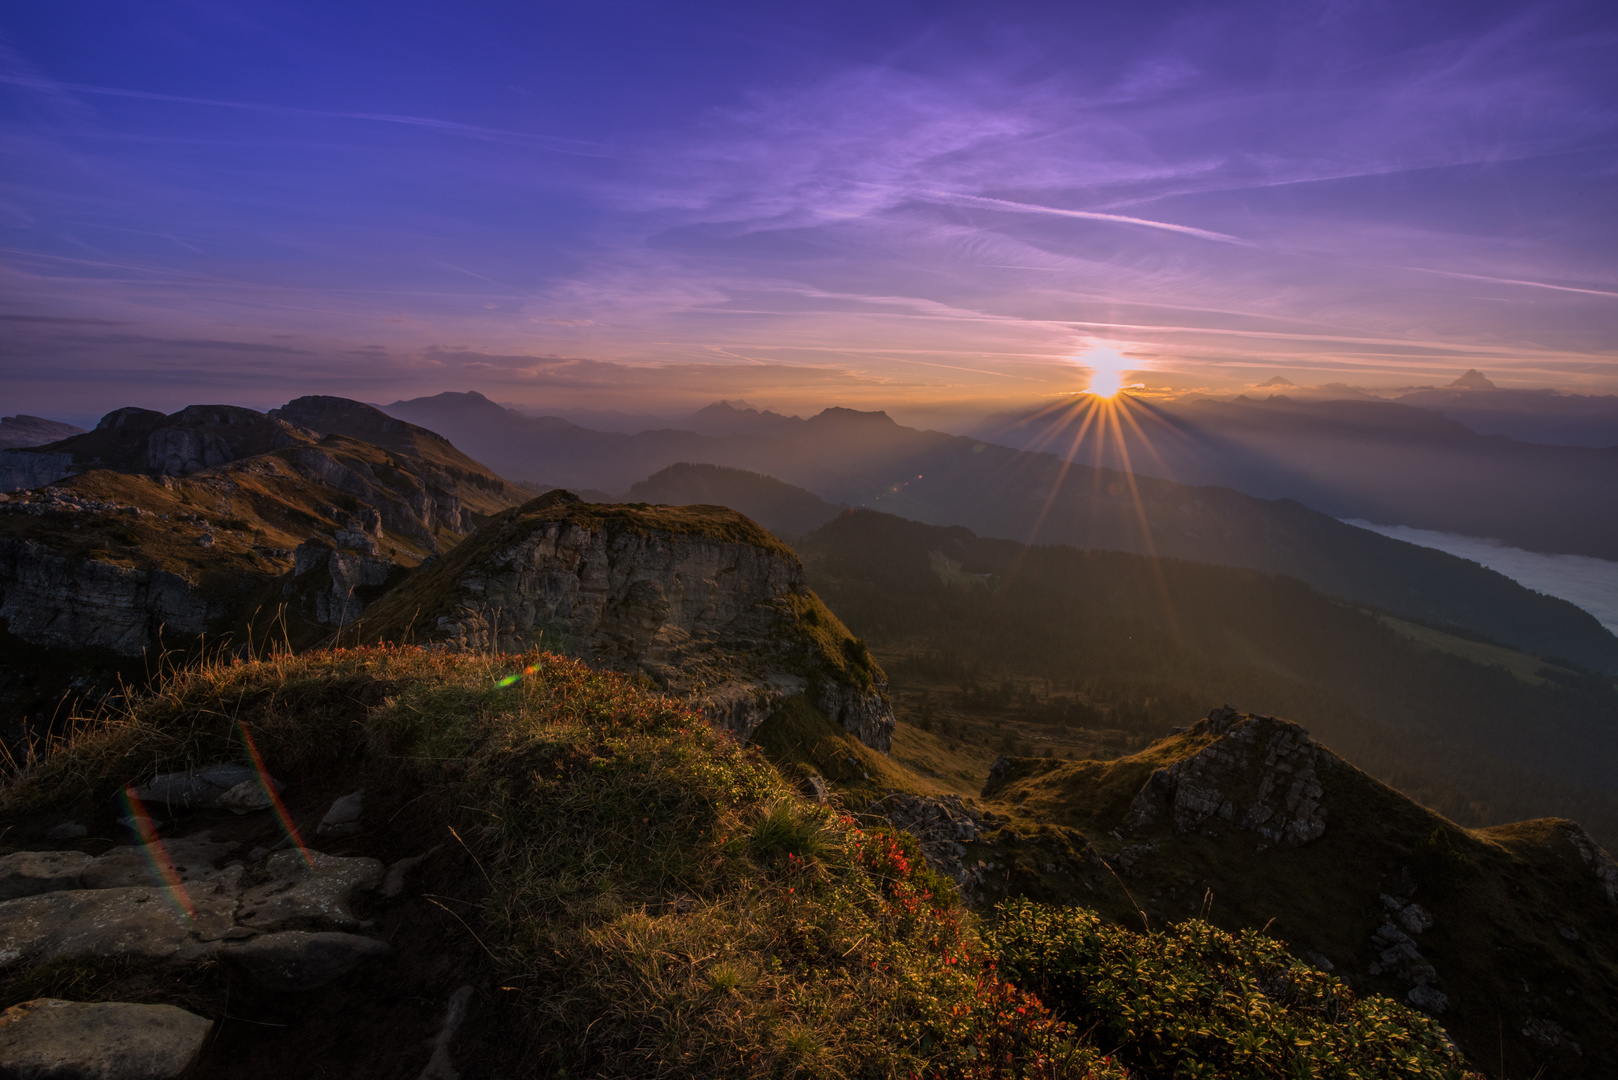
1426,998
195,787
308,886
815,788
439,1066
247,796
1604,866
343,819
1414,919
113,1040
938,824
293,960
189,859
54,598
68,830
393,884
76,924
26,873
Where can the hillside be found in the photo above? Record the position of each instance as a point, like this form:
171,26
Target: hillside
23,430
865,459
1394,463
216,522
993,646
480,866
697,599
1506,933
781,508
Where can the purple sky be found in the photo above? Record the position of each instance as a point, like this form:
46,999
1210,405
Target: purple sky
649,206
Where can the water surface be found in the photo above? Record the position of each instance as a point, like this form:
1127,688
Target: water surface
1590,583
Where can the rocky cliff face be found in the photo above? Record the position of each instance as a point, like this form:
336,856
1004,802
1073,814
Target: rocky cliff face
53,599
212,520
698,599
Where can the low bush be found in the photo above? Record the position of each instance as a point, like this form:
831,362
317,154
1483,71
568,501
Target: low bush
1196,1001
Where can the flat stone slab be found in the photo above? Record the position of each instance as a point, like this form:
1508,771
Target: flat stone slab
26,873
50,1039
191,858
317,890
294,960
76,924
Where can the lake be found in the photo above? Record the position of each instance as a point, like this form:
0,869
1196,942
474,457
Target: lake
1590,583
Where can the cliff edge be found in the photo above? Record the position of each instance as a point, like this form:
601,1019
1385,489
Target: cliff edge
698,599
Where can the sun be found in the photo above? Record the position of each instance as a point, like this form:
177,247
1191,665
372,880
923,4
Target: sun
1107,367
1104,383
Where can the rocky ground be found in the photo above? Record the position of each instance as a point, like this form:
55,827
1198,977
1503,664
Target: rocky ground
243,953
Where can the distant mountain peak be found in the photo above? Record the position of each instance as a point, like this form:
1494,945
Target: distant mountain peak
1277,380
1474,380
839,414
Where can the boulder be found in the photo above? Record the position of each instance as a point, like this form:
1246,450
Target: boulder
75,1040
203,787
343,819
308,886
294,960
26,873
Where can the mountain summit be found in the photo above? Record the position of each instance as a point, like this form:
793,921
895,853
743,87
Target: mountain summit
1474,380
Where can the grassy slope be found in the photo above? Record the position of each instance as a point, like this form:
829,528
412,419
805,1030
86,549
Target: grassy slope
1087,653
1499,896
648,899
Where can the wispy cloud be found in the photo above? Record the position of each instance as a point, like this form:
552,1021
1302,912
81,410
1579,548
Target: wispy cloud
59,90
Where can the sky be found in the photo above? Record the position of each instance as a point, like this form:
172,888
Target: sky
930,205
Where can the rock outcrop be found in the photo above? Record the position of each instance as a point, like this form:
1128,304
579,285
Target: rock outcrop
51,598
173,526
1259,774
698,599
20,470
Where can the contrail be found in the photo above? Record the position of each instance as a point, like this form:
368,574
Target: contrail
448,127
1091,215
1511,281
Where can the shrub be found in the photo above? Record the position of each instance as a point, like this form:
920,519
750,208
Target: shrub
1196,1001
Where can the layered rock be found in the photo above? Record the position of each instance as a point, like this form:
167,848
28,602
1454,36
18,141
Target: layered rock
699,599
19,470
55,599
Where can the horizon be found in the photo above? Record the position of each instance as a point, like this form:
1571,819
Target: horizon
925,210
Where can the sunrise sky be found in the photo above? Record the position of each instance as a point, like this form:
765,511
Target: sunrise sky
649,206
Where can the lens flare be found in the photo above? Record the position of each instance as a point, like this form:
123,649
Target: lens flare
157,856
512,680
274,796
